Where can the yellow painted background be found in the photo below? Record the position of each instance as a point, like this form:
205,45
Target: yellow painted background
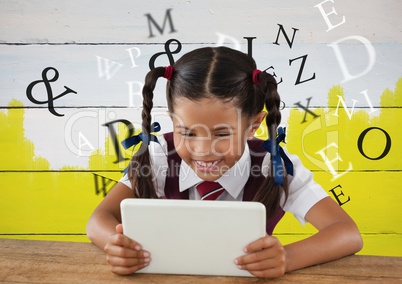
38,203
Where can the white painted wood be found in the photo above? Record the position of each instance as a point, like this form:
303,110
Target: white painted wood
82,68
75,37
125,21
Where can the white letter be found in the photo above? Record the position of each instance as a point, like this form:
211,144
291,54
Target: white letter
342,64
132,56
325,15
330,162
345,107
107,68
86,142
131,93
221,40
368,101
68,131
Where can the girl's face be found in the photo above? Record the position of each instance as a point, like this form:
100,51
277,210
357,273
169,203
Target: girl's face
210,134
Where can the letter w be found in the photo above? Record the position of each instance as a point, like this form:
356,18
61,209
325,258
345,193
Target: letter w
103,185
107,68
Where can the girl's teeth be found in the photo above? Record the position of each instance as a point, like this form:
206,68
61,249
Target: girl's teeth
203,164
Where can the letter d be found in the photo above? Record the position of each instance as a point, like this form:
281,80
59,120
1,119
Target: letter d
342,63
222,41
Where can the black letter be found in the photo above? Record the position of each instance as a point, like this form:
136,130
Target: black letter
337,195
290,43
105,183
167,17
301,69
273,74
306,109
387,146
250,45
114,137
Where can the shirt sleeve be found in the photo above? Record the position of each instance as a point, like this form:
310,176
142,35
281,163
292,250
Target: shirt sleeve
159,166
304,192
124,180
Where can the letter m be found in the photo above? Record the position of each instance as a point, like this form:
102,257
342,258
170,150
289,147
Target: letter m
151,22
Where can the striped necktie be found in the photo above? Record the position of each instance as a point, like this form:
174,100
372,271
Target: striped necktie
209,190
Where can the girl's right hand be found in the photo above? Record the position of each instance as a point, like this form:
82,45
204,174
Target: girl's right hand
124,255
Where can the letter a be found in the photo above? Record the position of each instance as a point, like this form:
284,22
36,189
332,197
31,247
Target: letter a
81,137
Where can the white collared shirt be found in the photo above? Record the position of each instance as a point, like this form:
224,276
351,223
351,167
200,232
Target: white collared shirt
304,192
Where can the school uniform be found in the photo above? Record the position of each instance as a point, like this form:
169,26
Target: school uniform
175,179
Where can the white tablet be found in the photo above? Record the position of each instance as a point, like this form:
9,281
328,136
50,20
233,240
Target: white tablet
193,236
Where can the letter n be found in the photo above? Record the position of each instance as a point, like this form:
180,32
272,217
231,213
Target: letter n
341,101
151,21
290,43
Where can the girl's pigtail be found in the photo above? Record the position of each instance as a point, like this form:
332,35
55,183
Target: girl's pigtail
270,193
140,169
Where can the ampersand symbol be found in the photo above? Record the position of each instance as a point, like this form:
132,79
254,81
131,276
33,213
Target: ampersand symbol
167,52
49,91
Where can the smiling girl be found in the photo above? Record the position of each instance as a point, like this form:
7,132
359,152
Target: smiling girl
216,99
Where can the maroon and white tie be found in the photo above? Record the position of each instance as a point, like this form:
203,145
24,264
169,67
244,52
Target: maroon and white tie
209,190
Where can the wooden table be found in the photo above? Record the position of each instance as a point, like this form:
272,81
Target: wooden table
23,261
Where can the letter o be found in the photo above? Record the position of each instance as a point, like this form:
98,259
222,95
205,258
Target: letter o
282,105
387,146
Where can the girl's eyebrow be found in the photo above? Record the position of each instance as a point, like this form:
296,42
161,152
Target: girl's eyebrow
216,128
182,127
223,127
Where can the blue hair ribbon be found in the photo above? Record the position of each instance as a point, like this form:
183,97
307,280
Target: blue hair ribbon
141,137
278,154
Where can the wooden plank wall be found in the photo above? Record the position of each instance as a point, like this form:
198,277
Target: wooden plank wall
341,87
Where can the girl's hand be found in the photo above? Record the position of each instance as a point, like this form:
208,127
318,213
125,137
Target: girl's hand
124,255
265,258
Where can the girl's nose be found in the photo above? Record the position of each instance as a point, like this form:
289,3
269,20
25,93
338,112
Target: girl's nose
201,146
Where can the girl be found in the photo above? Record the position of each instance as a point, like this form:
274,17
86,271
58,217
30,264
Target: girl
216,100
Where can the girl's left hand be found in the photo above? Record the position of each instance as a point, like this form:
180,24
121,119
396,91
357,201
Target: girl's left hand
265,258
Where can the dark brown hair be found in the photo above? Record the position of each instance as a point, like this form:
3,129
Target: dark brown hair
222,73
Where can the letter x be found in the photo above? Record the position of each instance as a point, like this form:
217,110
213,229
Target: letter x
306,109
